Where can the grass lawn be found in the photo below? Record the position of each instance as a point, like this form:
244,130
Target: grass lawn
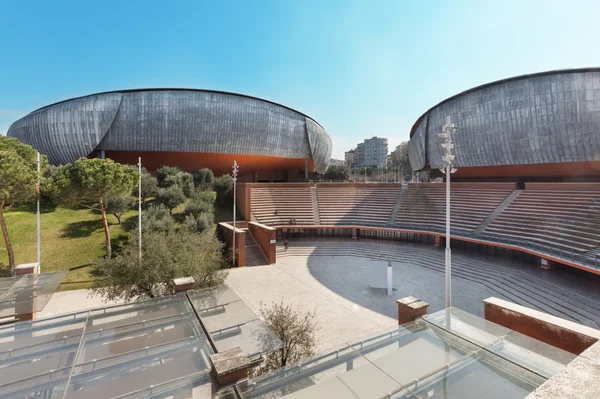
72,238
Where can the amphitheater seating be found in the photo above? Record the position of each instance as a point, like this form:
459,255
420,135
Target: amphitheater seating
569,220
275,206
424,206
356,205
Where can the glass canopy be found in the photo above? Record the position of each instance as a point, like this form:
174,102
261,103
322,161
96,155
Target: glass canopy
449,354
149,349
230,323
28,293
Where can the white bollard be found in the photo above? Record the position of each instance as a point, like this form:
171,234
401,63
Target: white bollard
389,278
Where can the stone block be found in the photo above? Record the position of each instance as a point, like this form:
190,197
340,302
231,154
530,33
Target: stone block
183,284
230,366
26,268
410,309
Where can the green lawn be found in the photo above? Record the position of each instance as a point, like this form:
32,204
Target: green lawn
71,239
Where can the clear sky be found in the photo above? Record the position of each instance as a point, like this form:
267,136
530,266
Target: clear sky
360,68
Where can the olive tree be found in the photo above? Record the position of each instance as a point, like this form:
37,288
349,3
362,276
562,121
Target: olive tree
204,178
223,186
170,197
149,185
165,256
118,206
18,179
296,329
91,183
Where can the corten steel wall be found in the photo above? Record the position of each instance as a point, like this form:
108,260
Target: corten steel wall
173,120
265,237
566,335
546,118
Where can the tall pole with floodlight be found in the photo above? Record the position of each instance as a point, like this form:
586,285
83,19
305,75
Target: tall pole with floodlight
38,248
140,209
235,173
448,158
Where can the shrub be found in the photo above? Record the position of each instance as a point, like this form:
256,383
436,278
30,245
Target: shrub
164,171
183,180
297,330
198,224
197,206
170,197
204,178
165,256
157,218
223,186
119,205
149,185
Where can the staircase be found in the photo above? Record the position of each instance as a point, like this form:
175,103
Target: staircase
392,219
507,201
315,205
254,255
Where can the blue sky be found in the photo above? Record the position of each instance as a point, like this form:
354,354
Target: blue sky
360,68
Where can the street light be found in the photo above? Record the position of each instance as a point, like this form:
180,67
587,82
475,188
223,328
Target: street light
140,208
448,158
235,173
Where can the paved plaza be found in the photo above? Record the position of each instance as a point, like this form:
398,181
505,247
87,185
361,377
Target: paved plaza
331,277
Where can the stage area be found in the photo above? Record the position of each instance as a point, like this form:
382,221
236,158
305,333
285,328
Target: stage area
331,276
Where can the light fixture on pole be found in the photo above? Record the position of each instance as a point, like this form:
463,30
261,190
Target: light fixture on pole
448,158
38,233
140,208
235,173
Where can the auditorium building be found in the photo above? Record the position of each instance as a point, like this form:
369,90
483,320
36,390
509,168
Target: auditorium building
181,127
538,127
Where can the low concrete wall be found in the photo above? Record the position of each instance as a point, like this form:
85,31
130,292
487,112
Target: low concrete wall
225,234
265,237
243,200
580,379
563,334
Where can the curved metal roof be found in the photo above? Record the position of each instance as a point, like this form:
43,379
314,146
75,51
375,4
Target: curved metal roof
177,89
548,117
496,82
173,120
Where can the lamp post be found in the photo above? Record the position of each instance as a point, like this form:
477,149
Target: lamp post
448,158
140,208
235,173
37,216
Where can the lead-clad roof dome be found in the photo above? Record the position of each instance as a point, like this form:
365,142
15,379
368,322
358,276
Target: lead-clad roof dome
549,117
178,120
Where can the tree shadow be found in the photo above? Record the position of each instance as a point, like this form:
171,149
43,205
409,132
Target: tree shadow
46,206
129,223
81,229
4,270
118,243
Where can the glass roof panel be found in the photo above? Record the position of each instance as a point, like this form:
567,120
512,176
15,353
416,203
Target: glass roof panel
231,323
253,337
476,329
28,293
148,349
535,355
416,360
478,375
